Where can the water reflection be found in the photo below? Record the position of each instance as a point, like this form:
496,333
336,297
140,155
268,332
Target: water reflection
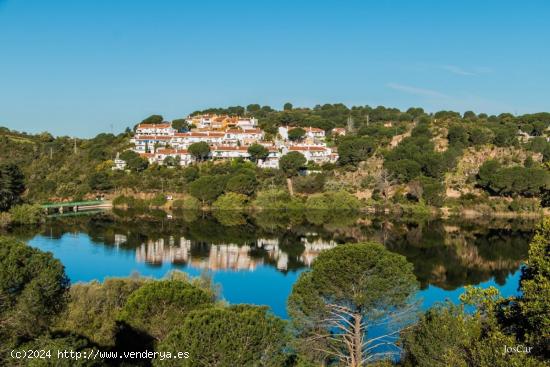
445,253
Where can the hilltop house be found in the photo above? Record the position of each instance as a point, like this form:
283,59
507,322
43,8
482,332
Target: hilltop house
311,132
184,156
313,153
164,129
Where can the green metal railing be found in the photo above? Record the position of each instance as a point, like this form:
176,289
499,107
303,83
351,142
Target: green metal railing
74,203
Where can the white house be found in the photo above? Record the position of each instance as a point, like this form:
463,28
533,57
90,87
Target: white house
148,143
119,164
164,129
183,140
272,160
184,156
315,154
225,151
149,156
247,123
311,132
244,137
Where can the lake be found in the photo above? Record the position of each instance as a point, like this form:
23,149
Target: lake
257,259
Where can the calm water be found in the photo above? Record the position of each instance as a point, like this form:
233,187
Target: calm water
257,259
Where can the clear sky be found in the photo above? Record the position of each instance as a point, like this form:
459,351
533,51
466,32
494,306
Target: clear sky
78,67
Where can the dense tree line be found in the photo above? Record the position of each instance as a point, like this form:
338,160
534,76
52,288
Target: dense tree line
63,168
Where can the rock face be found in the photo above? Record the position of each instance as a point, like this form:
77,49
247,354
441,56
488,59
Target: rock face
457,182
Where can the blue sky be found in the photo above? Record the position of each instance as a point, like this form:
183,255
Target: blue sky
80,67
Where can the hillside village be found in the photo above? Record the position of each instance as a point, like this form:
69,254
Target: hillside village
228,137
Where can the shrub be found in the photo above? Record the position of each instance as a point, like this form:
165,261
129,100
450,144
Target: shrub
276,199
27,214
309,184
242,183
158,200
191,203
230,201
158,307
342,200
241,335
317,202
5,219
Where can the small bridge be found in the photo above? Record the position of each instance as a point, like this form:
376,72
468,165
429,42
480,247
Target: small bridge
77,206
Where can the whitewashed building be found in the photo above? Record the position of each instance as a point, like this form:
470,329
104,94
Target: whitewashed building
164,129
184,156
148,143
310,132
228,151
315,154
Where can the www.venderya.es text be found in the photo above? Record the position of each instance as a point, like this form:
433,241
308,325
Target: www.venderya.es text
94,354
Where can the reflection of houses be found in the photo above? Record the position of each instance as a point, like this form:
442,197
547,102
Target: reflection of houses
225,256
314,248
271,246
120,239
157,252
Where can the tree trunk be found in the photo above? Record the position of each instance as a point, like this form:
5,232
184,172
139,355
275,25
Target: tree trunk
357,359
290,188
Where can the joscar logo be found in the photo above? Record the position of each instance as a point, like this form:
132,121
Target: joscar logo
517,349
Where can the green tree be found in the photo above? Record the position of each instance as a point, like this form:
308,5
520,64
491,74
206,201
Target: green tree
200,151
296,133
535,287
242,183
160,306
352,150
240,335
27,214
133,161
12,185
441,333
153,119
33,288
171,161
93,308
207,188
287,106
349,290
457,134
230,201
291,163
180,124
433,191
100,181
257,152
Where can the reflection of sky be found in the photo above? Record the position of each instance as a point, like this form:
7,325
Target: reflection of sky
85,260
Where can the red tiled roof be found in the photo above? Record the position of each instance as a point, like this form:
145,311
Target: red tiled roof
311,129
230,148
171,151
201,134
153,137
307,148
151,126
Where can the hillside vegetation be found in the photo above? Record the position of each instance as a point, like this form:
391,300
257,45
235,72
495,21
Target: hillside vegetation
387,157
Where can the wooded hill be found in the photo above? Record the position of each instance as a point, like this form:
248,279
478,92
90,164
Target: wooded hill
387,156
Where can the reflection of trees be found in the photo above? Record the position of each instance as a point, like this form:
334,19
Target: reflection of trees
448,254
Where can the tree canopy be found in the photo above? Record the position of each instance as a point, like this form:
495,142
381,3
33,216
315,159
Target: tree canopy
240,335
33,288
291,163
200,151
349,290
12,185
